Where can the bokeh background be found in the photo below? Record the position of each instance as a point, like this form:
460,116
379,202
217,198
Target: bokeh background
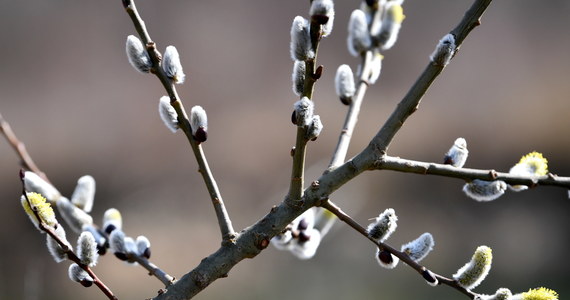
69,93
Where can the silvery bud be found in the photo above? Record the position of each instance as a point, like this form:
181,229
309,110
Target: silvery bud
112,220
199,123
172,66
483,191
34,183
117,244
168,114
386,259
323,12
344,84
315,128
84,194
383,226
57,252
301,46
137,54
457,154
358,35
77,274
444,51
303,113
74,216
143,246
391,24
298,77
87,249
419,248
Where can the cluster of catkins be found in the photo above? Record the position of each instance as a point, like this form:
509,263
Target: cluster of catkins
93,241
140,60
532,164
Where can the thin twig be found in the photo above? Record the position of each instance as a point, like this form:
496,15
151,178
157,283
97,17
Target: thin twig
224,221
411,100
64,246
153,270
419,167
20,148
298,168
341,150
401,255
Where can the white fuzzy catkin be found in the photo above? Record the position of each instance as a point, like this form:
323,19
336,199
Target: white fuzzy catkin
358,36
457,154
298,77
117,241
386,259
324,8
143,246
344,83
112,220
87,249
56,251
383,226
391,24
483,191
137,54
84,194
168,114
307,249
419,248
74,216
315,128
304,112
199,123
34,183
172,66
444,50
301,47
77,274
375,60
474,272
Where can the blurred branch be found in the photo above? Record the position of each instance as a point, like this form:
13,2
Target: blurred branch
68,251
401,255
222,215
20,148
412,99
411,166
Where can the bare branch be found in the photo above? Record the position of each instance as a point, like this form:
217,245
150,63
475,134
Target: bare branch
411,166
153,270
20,148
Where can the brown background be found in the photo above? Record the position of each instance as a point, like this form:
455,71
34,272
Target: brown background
68,91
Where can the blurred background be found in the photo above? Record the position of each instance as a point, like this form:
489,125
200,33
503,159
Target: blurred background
69,93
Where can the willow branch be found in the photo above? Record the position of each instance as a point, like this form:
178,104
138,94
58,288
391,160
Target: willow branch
426,168
20,149
153,270
339,154
252,240
312,74
341,149
65,247
412,99
401,255
222,215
